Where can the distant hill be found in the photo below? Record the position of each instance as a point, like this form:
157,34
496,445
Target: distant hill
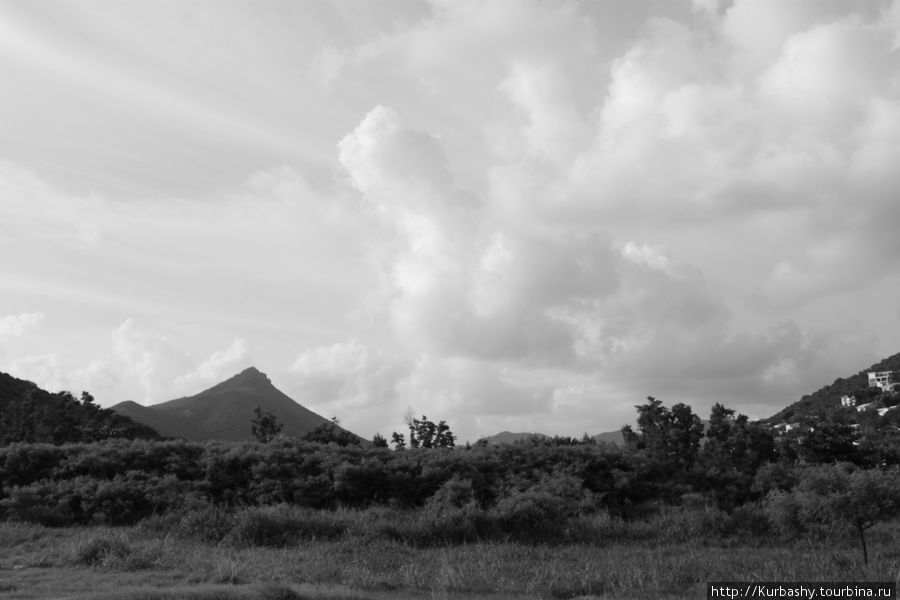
31,414
508,437
224,411
826,401
611,437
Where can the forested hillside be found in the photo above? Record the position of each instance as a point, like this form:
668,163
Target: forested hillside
31,414
826,401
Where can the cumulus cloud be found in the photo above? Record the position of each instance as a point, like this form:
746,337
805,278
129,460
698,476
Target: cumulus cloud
219,366
163,369
562,204
13,326
479,301
49,372
349,379
152,358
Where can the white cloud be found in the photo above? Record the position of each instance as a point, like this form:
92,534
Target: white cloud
221,365
150,357
553,204
49,372
349,379
13,326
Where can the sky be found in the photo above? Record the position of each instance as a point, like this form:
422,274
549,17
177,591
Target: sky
510,215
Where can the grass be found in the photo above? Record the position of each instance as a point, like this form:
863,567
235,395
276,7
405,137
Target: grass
280,553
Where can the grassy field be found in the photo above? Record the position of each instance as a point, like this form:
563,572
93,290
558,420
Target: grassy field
663,557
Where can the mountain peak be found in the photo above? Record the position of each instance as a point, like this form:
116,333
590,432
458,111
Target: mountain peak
251,375
225,411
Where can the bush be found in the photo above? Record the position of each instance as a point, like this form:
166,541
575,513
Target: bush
784,512
274,591
281,525
34,504
532,515
747,520
101,551
208,524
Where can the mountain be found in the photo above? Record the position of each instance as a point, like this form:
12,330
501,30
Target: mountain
611,437
508,437
827,400
224,411
31,414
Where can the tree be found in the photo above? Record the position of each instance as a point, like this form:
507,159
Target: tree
398,441
845,494
331,432
735,448
670,436
379,441
829,441
265,426
426,434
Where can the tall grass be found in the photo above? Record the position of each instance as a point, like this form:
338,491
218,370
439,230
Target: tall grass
383,552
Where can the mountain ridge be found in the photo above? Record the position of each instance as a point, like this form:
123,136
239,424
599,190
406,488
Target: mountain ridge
225,410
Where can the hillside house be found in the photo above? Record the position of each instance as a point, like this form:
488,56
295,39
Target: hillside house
883,380
848,400
864,407
782,428
883,411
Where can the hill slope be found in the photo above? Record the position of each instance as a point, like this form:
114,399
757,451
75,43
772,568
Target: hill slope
826,401
31,414
508,437
224,411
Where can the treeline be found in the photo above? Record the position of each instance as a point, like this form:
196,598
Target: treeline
32,415
752,481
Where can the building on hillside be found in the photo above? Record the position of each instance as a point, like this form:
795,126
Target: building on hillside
783,428
882,411
848,400
864,407
881,379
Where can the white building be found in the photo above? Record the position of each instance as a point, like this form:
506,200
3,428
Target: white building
848,400
881,379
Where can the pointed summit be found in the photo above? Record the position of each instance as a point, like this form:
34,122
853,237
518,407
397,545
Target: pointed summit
224,411
249,377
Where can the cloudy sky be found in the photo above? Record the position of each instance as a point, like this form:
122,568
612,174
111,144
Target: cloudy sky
522,215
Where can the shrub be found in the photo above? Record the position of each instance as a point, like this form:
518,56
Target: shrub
101,550
275,591
749,519
208,524
33,504
532,514
281,525
784,513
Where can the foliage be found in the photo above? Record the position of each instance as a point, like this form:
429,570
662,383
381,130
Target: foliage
332,433
265,425
32,415
734,451
426,434
843,494
671,436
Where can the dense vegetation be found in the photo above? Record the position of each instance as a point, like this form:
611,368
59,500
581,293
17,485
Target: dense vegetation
71,463
748,482
30,414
